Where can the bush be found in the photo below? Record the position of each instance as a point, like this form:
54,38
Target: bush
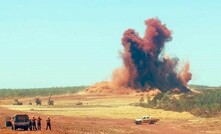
205,104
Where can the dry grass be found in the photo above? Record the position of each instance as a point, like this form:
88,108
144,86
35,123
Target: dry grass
117,107
100,106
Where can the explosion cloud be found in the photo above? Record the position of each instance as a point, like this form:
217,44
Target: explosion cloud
145,66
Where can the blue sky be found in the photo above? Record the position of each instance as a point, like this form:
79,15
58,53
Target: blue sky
48,43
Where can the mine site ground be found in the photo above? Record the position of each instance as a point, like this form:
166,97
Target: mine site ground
105,114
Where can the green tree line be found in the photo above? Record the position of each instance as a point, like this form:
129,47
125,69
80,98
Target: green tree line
204,104
15,93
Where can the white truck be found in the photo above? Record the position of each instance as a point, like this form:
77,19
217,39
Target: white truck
146,119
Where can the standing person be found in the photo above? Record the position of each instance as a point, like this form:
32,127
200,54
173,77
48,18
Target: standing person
30,123
33,121
48,121
12,120
39,123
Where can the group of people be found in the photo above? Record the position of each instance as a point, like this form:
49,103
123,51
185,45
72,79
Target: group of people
35,123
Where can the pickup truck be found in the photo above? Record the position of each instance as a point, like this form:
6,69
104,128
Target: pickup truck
18,121
146,119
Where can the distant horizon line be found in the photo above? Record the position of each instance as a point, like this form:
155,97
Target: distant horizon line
47,87
93,84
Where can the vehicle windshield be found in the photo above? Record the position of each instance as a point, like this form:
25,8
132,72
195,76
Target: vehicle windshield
21,118
146,117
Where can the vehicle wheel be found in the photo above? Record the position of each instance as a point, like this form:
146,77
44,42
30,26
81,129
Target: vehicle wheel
138,123
151,122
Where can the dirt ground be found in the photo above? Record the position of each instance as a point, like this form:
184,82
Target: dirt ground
82,121
74,125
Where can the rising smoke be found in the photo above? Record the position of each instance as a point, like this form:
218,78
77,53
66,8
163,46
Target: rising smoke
145,66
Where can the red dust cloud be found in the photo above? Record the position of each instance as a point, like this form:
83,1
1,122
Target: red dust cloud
145,67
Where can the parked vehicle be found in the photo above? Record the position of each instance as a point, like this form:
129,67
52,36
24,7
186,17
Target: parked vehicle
18,121
146,119
37,101
16,102
50,101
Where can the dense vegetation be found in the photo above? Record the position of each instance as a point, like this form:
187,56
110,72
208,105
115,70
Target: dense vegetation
204,104
202,87
17,93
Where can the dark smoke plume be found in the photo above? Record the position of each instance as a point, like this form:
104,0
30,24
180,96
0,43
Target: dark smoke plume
145,67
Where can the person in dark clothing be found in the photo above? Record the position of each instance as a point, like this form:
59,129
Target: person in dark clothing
39,123
30,124
48,121
33,123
